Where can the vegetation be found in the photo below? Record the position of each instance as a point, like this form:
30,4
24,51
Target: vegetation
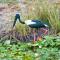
8,1
47,49
45,11
39,9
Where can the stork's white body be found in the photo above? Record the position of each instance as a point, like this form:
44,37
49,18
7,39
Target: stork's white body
29,22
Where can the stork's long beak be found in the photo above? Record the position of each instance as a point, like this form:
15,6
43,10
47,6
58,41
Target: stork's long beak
14,23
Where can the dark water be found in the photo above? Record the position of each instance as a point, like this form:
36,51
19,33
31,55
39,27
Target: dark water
26,38
30,36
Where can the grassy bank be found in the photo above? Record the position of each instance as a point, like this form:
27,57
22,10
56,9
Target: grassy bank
47,49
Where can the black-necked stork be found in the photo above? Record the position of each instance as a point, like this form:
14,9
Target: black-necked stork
31,23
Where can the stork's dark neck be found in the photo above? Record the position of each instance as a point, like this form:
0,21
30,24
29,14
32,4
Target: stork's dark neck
22,22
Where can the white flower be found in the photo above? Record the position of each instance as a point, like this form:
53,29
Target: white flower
33,8
36,54
44,40
7,42
40,46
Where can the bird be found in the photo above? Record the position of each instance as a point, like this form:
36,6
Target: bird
35,23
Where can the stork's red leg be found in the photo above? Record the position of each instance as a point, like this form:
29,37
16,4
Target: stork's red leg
46,31
34,36
39,37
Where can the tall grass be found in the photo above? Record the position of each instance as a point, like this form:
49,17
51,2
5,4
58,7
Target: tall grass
22,28
53,18
45,11
39,9
51,12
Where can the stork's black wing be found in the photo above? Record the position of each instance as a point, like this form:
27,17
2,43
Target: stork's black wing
39,24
